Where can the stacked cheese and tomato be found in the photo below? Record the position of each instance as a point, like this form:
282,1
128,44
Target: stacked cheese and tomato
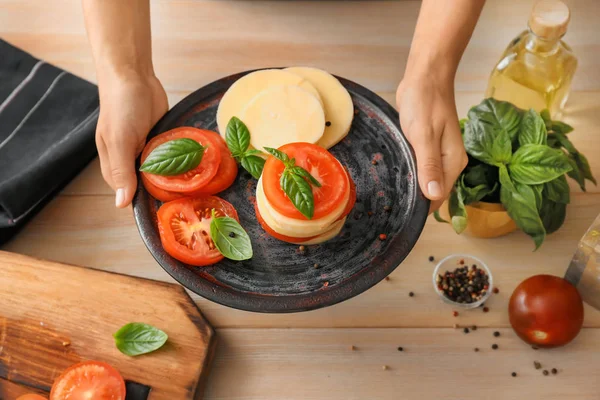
333,200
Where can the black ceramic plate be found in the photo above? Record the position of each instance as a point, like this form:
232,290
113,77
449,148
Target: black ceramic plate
278,278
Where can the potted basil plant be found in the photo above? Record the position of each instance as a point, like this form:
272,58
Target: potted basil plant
516,175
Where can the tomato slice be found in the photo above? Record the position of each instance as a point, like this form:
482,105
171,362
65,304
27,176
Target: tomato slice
31,396
196,178
89,380
321,164
224,178
184,227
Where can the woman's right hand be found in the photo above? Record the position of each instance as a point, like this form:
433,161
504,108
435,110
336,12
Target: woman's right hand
130,105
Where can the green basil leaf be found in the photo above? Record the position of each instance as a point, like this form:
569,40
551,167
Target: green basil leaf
438,217
533,164
558,190
501,148
565,142
461,124
561,127
584,166
174,157
280,155
553,215
474,194
479,141
137,338
553,142
230,238
575,173
305,174
533,129
458,212
237,137
522,208
299,192
499,115
537,191
253,164
545,114
505,179
253,152
481,174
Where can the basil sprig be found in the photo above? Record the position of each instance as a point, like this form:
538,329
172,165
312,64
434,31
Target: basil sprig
230,238
137,338
520,159
295,181
174,157
237,137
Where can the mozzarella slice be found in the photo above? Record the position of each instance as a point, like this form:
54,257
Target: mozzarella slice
247,87
335,230
339,110
283,114
296,227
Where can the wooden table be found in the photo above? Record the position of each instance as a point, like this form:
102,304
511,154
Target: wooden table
308,355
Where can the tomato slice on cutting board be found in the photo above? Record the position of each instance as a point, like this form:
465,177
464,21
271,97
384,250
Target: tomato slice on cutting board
224,178
184,227
194,179
322,165
89,380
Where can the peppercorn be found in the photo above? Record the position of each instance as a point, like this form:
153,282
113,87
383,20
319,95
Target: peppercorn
400,349
474,328
370,213
328,123
476,349
495,346
514,374
485,309
496,290
496,334
466,330
534,347
455,313
385,367
387,208
316,265
537,365
374,162
411,294
326,283
352,348
554,371
431,259
545,372
382,236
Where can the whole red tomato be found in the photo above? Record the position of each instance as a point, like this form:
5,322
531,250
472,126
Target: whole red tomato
546,311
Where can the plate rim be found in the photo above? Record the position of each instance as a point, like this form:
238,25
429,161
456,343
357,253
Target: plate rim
268,303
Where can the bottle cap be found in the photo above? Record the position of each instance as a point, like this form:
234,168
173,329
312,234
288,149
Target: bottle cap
549,19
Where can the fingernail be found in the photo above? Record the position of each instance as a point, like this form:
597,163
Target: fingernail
434,189
120,199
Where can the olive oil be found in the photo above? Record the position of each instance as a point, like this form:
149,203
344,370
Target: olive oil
537,67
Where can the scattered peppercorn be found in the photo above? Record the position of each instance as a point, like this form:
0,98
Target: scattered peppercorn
466,330
495,346
400,348
431,258
474,328
485,309
316,265
387,208
231,234
385,367
387,278
326,283
411,294
382,236
554,371
514,374
476,349
496,334
534,347
358,215
496,290
352,348
301,248
328,123
545,372
356,112
455,313
537,365
370,213
464,285
374,162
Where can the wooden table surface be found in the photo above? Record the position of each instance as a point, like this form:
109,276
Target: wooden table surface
308,355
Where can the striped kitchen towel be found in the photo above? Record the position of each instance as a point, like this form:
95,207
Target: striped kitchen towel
47,123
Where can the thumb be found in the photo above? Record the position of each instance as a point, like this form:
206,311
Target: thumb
429,164
122,163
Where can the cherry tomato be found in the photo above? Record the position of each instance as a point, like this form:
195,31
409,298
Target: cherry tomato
196,178
321,164
31,396
546,311
184,227
89,380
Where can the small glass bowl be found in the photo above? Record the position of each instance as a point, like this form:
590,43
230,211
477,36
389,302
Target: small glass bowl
452,262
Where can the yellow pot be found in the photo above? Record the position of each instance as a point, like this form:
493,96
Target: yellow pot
484,220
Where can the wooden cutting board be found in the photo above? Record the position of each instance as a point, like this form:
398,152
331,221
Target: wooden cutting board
54,315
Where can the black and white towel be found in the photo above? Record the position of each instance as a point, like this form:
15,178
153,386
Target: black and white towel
47,123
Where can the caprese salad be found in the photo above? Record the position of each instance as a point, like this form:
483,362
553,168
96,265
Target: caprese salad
277,124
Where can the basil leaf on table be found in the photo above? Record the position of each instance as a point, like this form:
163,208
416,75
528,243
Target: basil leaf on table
237,137
553,215
230,238
533,164
253,164
499,115
458,212
522,208
533,129
299,192
137,338
558,190
501,148
174,157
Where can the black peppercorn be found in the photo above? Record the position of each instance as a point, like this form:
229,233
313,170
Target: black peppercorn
495,346
496,334
474,328
537,365
400,349
476,349
431,259
554,371
328,123
514,374
411,294
466,330
545,372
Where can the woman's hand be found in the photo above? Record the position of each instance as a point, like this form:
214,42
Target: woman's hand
429,121
129,107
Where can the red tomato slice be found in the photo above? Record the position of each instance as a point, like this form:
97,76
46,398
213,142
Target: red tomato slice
184,227
321,164
196,178
89,380
224,178
31,396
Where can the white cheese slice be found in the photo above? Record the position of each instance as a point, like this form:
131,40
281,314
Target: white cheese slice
283,114
335,230
247,87
339,110
296,227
